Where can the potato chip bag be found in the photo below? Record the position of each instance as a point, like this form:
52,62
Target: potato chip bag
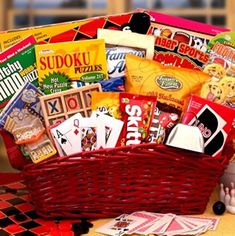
106,103
172,86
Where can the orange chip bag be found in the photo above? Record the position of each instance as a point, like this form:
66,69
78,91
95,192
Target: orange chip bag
106,103
172,86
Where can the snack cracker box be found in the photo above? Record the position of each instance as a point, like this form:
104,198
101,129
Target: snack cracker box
59,63
181,42
15,72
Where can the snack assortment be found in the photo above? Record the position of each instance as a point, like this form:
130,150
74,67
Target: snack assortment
114,81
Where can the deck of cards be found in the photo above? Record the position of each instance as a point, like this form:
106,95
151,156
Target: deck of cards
78,134
145,223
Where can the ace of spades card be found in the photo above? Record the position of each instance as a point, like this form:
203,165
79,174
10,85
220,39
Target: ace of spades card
68,135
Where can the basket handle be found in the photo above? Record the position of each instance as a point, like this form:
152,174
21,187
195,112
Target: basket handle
15,156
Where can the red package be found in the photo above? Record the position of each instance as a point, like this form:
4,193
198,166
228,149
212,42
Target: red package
137,113
214,121
162,123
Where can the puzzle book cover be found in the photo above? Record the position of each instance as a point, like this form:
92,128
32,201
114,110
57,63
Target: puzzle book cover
15,72
25,98
60,63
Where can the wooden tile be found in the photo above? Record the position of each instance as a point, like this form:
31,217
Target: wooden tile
54,106
72,102
57,120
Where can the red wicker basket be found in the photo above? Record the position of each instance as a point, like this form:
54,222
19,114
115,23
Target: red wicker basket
109,182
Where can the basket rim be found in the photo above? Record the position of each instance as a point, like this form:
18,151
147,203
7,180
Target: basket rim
124,152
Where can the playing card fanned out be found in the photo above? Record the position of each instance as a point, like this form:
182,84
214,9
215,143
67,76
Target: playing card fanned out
113,128
146,223
121,225
79,134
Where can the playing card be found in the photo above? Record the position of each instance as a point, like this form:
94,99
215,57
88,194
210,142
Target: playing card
176,227
147,216
57,146
68,135
193,226
160,226
92,134
113,128
120,225
198,221
144,229
55,142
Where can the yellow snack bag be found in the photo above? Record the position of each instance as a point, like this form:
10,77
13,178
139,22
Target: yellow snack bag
172,86
106,103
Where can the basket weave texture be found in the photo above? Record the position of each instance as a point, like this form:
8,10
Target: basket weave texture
109,182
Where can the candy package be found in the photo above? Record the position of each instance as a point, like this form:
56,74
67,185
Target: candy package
137,113
161,125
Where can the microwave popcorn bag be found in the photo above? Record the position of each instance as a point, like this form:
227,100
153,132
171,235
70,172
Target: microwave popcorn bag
171,85
118,44
214,121
137,114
